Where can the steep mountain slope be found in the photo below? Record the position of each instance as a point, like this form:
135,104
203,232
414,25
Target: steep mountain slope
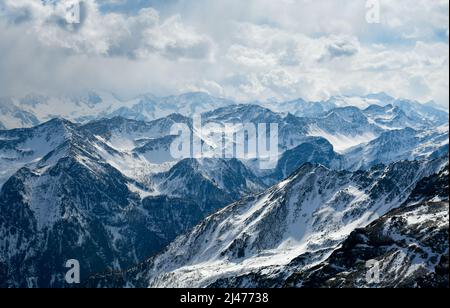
261,240
142,152
407,247
121,129
391,117
212,183
243,114
71,204
139,148
157,150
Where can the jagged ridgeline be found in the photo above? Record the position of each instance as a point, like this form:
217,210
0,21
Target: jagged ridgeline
108,193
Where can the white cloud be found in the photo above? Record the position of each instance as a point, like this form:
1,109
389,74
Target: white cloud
419,21
251,57
249,50
111,34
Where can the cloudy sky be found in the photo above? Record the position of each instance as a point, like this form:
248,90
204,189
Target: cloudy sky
242,49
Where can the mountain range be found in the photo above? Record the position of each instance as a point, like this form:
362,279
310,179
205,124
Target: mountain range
91,177
33,109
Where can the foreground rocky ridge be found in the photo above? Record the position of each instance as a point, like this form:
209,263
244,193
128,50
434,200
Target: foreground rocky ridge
248,243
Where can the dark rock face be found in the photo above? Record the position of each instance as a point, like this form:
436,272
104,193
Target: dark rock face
431,187
91,217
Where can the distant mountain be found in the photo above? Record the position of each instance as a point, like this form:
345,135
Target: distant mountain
91,105
395,145
422,112
337,120
437,106
12,116
263,239
302,108
212,183
149,107
77,107
391,117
